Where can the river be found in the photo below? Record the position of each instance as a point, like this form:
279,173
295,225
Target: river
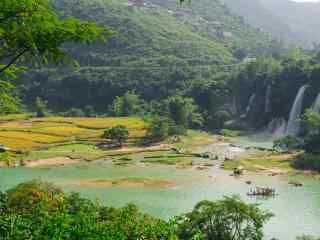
297,210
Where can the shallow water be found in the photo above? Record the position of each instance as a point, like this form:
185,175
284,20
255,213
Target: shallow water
297,210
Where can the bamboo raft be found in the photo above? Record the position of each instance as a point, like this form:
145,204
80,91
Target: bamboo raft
264,192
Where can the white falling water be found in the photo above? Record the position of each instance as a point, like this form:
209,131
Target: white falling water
251,101
277,127
267,107
316,104
293,127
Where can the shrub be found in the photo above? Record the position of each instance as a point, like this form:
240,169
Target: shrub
40,107
89,111
158,129
287,143
307,162
75,112
119,133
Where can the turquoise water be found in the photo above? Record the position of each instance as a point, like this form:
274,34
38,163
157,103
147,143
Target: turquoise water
297,210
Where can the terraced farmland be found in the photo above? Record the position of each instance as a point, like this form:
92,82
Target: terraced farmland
34,133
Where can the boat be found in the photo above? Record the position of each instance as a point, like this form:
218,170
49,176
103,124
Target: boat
265,192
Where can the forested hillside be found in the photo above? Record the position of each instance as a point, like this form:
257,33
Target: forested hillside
158,49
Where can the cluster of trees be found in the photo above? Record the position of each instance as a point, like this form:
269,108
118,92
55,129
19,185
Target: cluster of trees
309,141
32,32
40,210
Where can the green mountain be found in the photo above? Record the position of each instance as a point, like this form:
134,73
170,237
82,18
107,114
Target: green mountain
159,48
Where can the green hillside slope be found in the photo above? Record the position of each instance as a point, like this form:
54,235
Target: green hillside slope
159,48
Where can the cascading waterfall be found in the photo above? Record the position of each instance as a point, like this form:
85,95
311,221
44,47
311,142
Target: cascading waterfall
316,105
277,127
251,101
293,127
267,108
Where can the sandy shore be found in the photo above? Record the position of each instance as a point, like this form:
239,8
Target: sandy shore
51,162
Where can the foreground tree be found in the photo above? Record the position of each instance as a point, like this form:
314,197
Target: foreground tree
227,219
31,30
36,210
118,133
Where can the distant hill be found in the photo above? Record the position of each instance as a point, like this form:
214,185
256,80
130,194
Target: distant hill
293,22
255,13
159,48
303,18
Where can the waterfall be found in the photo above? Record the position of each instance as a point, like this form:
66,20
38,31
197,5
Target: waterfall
277,127
316,105
267,107
293,127
251,101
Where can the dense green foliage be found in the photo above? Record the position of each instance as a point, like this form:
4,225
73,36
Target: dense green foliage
287,143
31,30
159,49
40,211
37,210
118,133
126,105
226,219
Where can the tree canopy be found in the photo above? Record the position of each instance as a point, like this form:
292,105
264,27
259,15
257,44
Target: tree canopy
31,31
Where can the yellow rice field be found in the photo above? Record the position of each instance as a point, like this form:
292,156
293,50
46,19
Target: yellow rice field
19,144
28,134
98,123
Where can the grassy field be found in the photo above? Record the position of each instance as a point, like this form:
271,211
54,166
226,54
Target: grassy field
76,138
194,139
74,151
261,162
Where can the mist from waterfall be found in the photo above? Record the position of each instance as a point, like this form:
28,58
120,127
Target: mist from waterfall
277,127
267,108
293,127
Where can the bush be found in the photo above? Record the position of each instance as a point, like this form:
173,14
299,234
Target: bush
177,130
287,143
312,144
230,133
75,112
158,129
40,107
307,162
119,133
89,111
